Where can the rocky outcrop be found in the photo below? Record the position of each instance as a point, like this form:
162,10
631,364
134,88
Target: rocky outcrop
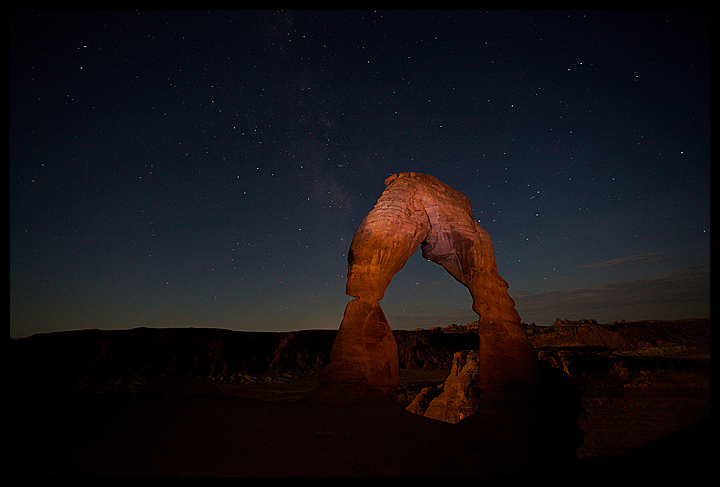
455,399
417,210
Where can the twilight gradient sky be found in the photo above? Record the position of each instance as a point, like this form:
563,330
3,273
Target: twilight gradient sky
209,169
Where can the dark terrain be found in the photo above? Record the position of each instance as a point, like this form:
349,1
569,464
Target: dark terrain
619,399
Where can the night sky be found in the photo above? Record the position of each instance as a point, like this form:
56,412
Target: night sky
209,169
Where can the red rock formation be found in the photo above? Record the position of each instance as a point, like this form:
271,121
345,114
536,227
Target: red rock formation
454,400
364,357
417,210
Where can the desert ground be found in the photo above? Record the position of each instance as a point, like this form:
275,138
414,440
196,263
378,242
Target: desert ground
642,406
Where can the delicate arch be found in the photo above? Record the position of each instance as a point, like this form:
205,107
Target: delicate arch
417,210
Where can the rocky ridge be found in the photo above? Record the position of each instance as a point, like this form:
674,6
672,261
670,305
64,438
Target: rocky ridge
116,360
122,361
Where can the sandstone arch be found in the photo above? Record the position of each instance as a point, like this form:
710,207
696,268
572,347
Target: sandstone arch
418,210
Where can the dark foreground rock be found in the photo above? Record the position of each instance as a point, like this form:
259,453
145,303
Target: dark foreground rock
639,382
206,434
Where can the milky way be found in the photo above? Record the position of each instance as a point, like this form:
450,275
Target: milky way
209,169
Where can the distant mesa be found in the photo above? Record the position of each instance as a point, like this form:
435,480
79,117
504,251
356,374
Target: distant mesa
418,210
559,322
454,328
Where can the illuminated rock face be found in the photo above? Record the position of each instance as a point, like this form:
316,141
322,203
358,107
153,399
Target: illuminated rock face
454,400
417,210
364,357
